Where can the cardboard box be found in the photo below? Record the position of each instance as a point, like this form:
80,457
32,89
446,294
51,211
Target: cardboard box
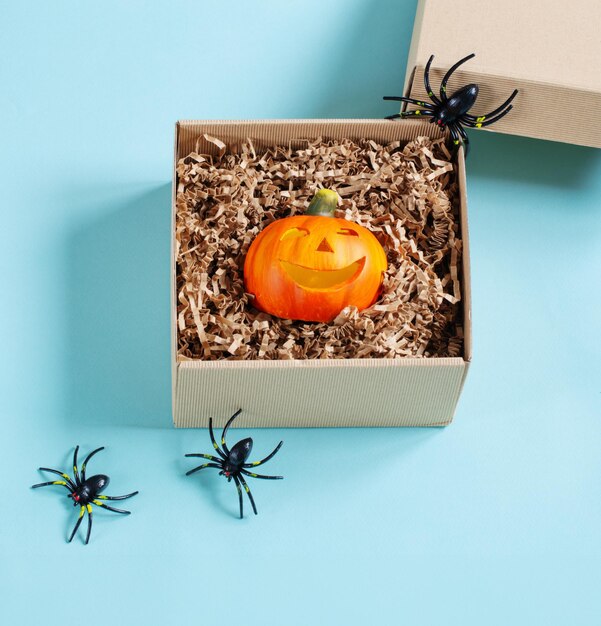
353,392
549,50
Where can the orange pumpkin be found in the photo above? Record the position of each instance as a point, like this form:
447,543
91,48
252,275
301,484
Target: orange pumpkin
309,267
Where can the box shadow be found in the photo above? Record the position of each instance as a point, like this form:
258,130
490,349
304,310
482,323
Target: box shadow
117,327
371,64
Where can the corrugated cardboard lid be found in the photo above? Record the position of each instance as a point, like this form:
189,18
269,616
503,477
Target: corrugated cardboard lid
549,50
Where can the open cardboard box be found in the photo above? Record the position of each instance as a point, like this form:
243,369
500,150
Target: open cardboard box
549,50
302,393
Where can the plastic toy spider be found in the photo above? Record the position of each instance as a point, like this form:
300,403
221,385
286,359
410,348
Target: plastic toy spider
85,491
232,463
453,111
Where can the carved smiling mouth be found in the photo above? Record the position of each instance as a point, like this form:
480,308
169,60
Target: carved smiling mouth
309,278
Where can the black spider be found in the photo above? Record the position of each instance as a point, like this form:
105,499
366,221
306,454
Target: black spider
232,463
453,111
84,491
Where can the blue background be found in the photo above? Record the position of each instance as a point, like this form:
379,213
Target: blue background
493,520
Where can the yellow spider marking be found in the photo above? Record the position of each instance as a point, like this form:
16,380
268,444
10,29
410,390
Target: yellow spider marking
479,125
102,497
481,119
97,503
59,482
89,508
246,488
418,112
456,141
430,94
66,476
81,511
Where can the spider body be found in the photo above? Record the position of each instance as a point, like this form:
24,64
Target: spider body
453,111
85,492
236,458
232,463
456,106
89,489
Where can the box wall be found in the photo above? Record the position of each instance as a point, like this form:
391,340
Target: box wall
550,52
355,392
541,111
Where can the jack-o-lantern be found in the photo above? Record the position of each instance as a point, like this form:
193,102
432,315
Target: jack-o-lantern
309,267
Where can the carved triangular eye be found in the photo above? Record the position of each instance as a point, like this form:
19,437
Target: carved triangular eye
292,233
324,246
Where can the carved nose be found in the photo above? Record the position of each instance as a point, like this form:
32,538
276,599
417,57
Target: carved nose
324,246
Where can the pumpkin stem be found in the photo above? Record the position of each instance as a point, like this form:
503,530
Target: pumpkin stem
324,203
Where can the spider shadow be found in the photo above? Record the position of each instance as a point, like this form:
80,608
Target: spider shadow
118,315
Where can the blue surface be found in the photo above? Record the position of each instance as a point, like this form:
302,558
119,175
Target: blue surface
493,520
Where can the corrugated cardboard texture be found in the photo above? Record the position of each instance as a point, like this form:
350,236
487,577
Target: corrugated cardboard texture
549,50
355,392
408,392
281,132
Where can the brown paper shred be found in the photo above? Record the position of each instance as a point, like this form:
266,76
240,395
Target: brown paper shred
406,194
215,141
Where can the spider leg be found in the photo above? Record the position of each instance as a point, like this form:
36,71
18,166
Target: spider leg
243,471
427,82
75,472
454,133
459,136
481,118
89,509
229,423
269,456
206,456
217,448
419,103
417,113
248,493
239,495
488,122
129,495
110,508
196,469
464,139
65,476
450,71
85,462
52,482
77,523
